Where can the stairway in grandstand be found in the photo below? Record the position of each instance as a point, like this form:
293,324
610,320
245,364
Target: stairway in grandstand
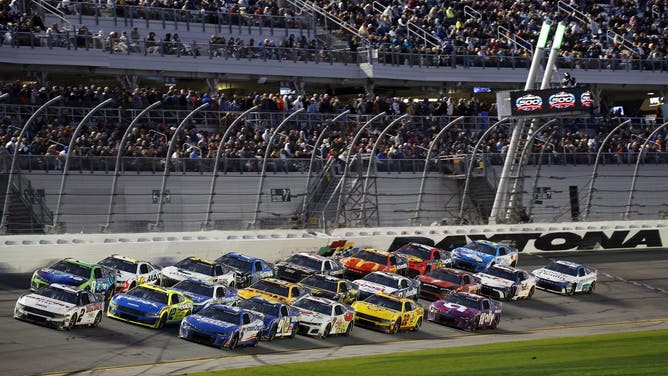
26,212
482,195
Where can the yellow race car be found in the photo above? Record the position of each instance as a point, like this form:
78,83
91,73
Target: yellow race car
388,313
150,306
274,290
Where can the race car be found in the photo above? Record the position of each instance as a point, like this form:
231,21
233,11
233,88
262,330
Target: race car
95,278
388,313
222,326
422,259
388,283
274,290
205,293
330,287
440,282
200,269
506,282
280,320
565,277
150,306
61,306
323,317
248,269
131,272
369,260
301,265
465,311
479,255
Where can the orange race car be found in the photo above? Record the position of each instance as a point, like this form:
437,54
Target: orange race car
368,260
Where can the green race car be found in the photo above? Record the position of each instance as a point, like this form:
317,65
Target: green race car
97,279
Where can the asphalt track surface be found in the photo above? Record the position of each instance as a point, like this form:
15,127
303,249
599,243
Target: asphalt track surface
631,294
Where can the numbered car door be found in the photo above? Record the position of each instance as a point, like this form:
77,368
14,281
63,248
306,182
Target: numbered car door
408,315
246,331
179,307
487,316
503,257
283,325
102,280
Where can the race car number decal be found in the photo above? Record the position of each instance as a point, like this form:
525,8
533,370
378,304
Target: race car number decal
459,308
486,317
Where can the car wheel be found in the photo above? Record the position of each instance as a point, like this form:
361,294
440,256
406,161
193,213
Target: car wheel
395,327
162,321
572,292
475,324
349,329
418,324
234,342
591,287
98,318
328,329
513,264
531,292
293,332
272,333
495,323
108,294
72,323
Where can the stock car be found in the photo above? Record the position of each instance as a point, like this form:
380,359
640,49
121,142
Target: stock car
280,320
368,260
388,313
205,293
274,290
61,306
222,326
248,269
323,317
422,258
301,265
95,278
329,287
465,311
506,282
150,306
479,255
440,282
131,272
565,277
388,283
197,268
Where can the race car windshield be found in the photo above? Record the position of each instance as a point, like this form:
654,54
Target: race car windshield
271,288
444,276
561,268
218,314
197,266
501,273
194,288
71,268
149,294
382,301
320,283
481,247
267,309
120,264
417,251
463,301
314,305
58,294
370,256
305,261
236,263
382,280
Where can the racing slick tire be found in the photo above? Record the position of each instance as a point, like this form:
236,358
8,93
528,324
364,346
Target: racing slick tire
572,292
161,321
293,332
418,324
475,324
72,323
495,323
234,342
328,329
272,333
531,292
98,319
349,329
395,327
591,287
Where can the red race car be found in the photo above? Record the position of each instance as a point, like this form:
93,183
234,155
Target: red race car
423,258
369,260
441,282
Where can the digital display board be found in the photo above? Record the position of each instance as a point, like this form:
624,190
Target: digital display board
564,101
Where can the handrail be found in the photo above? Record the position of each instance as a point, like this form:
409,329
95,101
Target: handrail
59,14
306,5
619,39
380,7
423,34
565,7
502,33
472,13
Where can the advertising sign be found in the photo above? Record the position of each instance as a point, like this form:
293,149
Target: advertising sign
562,101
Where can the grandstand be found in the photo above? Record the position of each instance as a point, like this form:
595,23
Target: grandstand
268,59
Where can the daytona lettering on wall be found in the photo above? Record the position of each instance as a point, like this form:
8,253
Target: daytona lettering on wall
564,241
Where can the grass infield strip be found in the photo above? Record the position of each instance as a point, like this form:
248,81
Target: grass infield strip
635,353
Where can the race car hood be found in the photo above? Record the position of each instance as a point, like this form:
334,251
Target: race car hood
46,304
196,298
57,276
412,258
323,293
358,263
455,310
180,274
438,282
494,281
289,265
211,325
373,310
250,292
551,275
137,303
309,316
469,254
374,287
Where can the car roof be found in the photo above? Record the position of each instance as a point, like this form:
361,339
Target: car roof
126,258
568,263
66,288
240,256
320,299
201,260
78,262
387,274
374,250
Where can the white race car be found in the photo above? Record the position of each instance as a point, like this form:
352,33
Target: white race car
61,306
506,282
131,272
565,277
388,283
323,317
199,269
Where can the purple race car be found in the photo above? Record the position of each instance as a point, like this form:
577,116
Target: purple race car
466,311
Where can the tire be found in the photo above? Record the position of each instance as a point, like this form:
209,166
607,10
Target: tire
162,321
513,264
293,332
531,292
591,287
272,333
72,323
395,327
98,319
234,342
495,323
418,324
349,329
572,292
475,324
328,329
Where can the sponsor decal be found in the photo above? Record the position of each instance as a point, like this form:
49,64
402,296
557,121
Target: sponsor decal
561,100
528,103
585,99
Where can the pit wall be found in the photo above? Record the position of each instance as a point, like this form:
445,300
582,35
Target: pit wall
25,253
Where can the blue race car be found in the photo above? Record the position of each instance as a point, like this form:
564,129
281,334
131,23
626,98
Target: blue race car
248,269
223,326
280,320
150,306
204,293
479,255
